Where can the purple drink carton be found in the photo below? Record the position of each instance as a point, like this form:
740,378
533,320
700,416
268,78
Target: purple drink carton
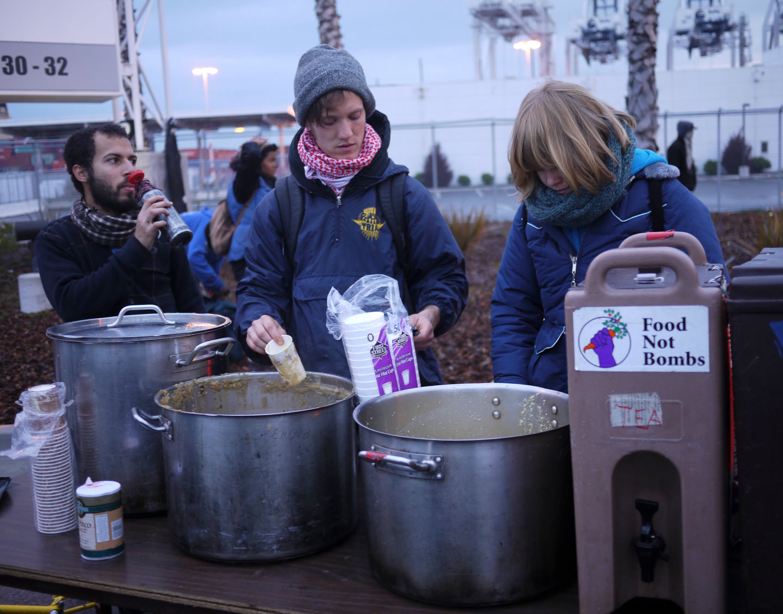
404,356
383,365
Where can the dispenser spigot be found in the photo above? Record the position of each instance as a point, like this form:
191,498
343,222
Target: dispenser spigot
649,546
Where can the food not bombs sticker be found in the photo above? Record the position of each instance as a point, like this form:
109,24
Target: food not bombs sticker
654,338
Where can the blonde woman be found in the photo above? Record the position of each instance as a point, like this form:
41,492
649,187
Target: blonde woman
585,187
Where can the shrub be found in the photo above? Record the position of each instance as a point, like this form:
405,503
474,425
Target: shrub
711,167
463,180
466,227
7,238
771,232
758,164
487,179
445,175
510,179
736,154
419,177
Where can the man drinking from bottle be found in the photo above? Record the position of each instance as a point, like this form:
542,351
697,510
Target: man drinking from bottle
109,251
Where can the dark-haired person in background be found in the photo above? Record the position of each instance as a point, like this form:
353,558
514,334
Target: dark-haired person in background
109,252
680,154
255,167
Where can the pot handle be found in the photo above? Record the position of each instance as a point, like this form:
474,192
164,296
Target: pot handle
193,356
133,308
427,465
145,420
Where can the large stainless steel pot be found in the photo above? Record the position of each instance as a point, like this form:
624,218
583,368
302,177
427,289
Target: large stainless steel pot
110,365
467,492
258,470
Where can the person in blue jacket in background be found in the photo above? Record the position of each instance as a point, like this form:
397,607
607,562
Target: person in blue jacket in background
205,265
255,166
338,159
585,188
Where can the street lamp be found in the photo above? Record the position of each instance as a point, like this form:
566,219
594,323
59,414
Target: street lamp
528,45
205,72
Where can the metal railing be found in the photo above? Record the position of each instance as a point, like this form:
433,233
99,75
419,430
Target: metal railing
40,188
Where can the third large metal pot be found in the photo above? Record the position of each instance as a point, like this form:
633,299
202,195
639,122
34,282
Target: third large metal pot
468,492
258,470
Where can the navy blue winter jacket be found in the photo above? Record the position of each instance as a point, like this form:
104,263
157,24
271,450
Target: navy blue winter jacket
540,264
204,262
83,279
339,242
239,239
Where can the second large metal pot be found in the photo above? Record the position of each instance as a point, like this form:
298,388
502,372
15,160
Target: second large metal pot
258,470
468,492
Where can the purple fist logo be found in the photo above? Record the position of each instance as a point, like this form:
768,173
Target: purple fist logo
609,340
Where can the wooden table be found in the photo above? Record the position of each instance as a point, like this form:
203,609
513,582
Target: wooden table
155,576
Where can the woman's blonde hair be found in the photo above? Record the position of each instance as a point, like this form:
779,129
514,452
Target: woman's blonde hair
564,127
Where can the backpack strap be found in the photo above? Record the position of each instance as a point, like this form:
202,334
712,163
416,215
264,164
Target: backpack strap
391,202
656,174
655,188
290,204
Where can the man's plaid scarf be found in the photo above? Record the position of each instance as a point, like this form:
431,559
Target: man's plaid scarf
101,228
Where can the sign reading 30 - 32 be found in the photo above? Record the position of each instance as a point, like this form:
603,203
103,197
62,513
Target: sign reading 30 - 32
46,54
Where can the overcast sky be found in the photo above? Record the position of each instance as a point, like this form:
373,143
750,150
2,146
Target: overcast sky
255,44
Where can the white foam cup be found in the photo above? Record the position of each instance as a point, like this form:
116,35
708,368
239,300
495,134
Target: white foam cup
362,323
286,360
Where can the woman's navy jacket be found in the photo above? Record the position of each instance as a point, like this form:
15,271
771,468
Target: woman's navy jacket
528,318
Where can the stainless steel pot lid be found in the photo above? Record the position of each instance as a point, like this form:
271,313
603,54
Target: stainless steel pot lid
137,327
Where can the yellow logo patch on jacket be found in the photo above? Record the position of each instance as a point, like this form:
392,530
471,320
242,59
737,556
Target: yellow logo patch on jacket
370,223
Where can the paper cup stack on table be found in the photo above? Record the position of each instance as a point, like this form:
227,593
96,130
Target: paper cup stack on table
52,470
286,360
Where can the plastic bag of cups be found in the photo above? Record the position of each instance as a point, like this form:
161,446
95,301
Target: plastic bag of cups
372,322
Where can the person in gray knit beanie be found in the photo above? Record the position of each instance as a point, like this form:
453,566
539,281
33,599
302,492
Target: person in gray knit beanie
323,69
340,204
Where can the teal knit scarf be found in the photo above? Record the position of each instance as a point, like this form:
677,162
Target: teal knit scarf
581,207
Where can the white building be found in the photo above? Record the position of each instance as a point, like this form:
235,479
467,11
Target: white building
464,113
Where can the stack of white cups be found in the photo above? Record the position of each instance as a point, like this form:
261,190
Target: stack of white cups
368,353
52,470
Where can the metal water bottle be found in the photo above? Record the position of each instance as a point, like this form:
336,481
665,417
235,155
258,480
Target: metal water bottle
178,231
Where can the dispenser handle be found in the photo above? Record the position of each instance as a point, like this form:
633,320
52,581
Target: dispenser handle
641,257
669,238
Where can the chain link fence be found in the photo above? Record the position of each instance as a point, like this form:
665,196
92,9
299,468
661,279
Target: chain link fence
35,185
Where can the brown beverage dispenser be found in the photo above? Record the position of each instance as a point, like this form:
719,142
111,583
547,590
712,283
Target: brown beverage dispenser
646,381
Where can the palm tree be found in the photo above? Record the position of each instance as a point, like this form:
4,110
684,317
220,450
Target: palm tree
328,23
642,101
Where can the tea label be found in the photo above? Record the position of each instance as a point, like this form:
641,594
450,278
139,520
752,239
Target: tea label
641,410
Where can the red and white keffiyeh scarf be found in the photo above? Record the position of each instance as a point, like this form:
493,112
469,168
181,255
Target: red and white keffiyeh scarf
332,172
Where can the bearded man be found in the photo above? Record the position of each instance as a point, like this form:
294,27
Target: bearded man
109,252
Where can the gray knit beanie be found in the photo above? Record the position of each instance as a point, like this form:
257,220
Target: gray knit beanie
323,69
